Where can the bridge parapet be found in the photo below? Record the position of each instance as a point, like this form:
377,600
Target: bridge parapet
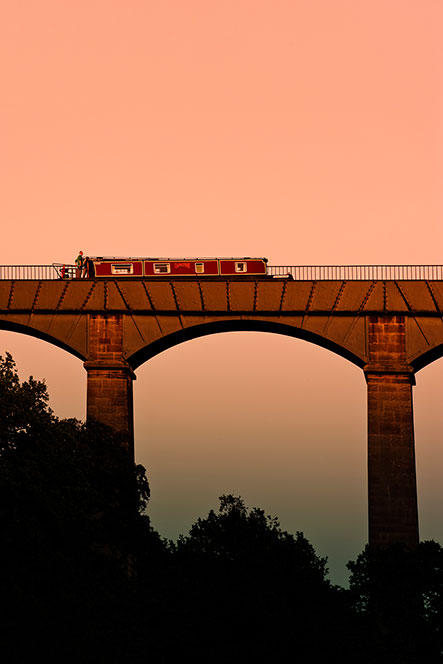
358,272
297,272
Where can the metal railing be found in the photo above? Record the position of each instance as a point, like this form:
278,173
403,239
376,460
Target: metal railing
28,272
54,271
357,272
296,272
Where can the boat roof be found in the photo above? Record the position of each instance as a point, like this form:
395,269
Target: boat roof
156,258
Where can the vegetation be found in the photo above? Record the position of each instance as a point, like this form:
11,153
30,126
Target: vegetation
84,576
397,596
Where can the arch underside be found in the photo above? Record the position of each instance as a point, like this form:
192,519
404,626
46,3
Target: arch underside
422,360
239,325
11,326
417,362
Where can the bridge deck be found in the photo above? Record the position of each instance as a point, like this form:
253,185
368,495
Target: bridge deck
244,296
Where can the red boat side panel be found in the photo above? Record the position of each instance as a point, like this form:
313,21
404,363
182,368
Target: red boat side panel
118,268
183,268
242,266
110,267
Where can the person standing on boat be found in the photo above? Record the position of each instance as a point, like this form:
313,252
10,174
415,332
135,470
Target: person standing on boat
79,265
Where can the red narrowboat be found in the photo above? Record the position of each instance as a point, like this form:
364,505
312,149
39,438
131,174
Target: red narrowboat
108,267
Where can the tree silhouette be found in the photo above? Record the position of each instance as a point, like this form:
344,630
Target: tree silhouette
72,526
397,594
253,588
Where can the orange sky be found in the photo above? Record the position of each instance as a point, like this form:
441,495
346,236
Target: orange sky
307,131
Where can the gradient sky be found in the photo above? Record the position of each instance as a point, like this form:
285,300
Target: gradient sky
306,131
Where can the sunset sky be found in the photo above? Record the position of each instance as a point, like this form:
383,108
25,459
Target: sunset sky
305,131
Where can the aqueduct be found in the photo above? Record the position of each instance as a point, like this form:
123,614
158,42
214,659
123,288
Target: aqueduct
390,328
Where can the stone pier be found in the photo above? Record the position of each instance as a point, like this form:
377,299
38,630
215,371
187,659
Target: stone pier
392,491
109,390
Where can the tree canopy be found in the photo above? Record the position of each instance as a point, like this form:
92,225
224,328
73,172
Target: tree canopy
397,596
243,539
242,571
72,520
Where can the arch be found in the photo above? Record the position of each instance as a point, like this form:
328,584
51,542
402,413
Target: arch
427,357
11,326
238,325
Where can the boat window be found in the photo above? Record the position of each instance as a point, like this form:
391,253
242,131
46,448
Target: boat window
199,268
162,268
122,268
240,266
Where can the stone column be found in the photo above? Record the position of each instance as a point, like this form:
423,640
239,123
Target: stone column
392,491
109,391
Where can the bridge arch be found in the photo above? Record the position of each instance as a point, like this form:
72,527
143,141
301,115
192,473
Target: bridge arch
260,415
21,328
424,359
238,325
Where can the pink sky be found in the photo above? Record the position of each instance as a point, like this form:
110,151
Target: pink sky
307,131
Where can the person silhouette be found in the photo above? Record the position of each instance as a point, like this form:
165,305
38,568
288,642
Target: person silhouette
79,265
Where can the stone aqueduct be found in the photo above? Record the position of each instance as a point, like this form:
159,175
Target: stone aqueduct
390,329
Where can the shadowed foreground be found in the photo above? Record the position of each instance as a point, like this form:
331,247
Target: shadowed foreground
84,577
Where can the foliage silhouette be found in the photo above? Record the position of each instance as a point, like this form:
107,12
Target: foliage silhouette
72,526
265,588
397,594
